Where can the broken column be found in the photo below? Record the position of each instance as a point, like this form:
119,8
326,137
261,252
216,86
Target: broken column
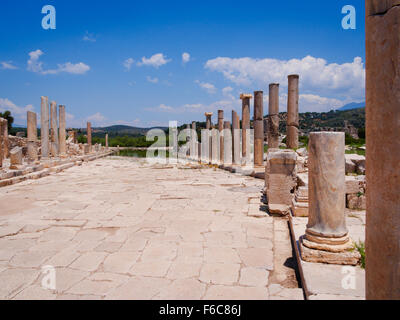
273,116
32,136
292,125
383,149
258,129
44,127
235,138
245,127
227,144
62,132
16,158
53,129
106,142
89,135
326,239
221,135
280,180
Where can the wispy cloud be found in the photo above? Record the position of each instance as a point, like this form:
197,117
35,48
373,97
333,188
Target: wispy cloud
7,65
152,80
209,87
16,111
90,37
34,65
157,60
185,57
128,64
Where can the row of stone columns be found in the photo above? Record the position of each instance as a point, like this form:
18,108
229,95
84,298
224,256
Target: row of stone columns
52,131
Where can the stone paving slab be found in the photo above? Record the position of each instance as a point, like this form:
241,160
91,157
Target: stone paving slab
119,228
327,281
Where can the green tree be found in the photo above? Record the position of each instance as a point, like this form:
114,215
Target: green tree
10,120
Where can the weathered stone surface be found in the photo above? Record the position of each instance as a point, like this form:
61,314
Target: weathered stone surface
245,125
383,152
235,138
227,133
258,129
273,116
322,256
44,128
54,148
16,156
292,125
280,177
62,133
326,185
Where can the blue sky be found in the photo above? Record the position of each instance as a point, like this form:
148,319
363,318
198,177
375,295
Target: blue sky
121,62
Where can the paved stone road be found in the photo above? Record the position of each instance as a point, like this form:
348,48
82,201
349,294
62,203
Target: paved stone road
121,229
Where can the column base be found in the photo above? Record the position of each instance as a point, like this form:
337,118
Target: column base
343,254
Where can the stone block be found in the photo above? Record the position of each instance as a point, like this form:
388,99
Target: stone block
16,156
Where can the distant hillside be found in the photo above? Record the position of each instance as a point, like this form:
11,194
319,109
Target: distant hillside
315,121
351,106
121,130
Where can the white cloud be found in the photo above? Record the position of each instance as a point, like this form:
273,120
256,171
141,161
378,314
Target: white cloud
185,57
89,37
96,118
317,76
156,60
19,113
35,65
152,80
7,65
128,64
227,92
210,88
315,103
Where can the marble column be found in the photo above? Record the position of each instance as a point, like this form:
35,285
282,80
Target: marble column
221,135
209,139
215,146
32,136
2,121
258,129
193,142
227,133
273,116
89,135
326,229
173,142
6,150
245,127
235,138
383,150
53,129
62,132
292,124
106,138
44,127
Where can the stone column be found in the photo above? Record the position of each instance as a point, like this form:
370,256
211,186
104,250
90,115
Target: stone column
209,140
326,239
1,142
32,136
89,135
215,146
235,138
44,127
292,125
193,142
173,142
221,135
383,150
273,116
245,127
227,144
258,129
53,129
107,140
6,151
62,133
